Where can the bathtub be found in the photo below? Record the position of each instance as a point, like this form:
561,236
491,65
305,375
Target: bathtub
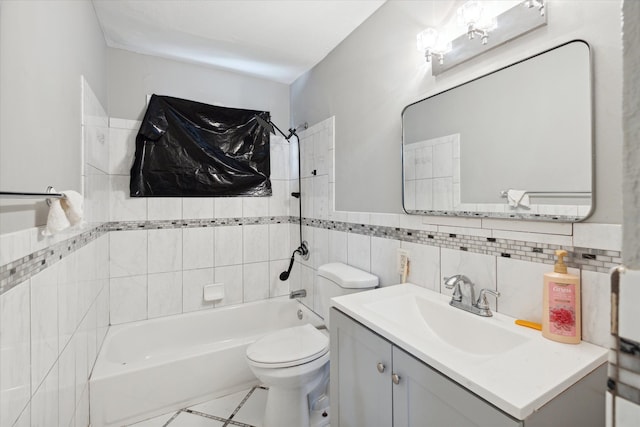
152,367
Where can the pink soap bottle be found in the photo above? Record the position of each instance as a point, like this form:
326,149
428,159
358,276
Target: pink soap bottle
561,317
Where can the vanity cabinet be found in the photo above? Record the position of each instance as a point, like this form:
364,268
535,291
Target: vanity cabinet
377,384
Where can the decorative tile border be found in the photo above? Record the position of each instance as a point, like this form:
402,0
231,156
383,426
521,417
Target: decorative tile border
24,268
585,258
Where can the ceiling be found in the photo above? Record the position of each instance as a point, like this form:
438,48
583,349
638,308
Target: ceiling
277,40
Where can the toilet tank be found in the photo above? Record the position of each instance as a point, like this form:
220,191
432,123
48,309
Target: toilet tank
337,279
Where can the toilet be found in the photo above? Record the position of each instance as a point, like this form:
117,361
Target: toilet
294,362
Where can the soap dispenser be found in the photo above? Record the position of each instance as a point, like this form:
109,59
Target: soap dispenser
561,317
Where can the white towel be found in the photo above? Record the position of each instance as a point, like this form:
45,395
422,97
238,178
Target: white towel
73,205
518,198
56,220
64,213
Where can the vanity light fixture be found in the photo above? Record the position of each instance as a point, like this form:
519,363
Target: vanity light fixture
539,4
473,16
492,31
433,43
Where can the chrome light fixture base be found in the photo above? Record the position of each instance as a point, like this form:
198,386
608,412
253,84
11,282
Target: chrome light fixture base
520,19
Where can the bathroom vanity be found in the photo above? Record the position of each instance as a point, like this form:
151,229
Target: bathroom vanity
401,356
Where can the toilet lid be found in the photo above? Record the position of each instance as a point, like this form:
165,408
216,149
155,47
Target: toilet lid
289,347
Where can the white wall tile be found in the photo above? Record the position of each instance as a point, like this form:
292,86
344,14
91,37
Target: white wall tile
480,268
307,282
337,246
319,250
66,385
443,160
359,217
127,253
123,207
359,251
193,283
164,294
122,147
383,260
44,403
321,144
564,228
600,236
82,410
15,348
279,241
279,200
306,155
255,244
480,232
228,207
96,146
279,153
80,343
452,221
128,299
424,265
443,194
596,307
424,194
321,197
256,281
386,220
14,245
159,208
197,247
231,277
197,207
67,299
24,419
424,163
552,239
307,196
520,286
164,250
44,324
255,206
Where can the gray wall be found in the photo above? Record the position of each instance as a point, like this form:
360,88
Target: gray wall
133,76
368,79
631,124
45,47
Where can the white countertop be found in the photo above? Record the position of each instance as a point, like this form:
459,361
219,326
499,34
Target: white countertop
518,380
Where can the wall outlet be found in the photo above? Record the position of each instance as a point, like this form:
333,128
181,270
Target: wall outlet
402,262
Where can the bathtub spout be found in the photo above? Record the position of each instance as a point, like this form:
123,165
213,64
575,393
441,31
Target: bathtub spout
300,293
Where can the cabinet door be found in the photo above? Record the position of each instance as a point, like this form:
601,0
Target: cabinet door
425,398
361,392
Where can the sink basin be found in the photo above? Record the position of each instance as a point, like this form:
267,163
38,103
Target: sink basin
465,331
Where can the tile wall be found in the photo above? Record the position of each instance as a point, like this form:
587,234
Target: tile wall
509,256
54,301
163,251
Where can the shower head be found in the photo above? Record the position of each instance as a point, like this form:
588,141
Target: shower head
285,274
271,127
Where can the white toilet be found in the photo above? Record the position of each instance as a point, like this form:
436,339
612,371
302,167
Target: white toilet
294,362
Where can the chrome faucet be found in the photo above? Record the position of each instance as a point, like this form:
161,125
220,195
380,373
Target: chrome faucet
300,293
464,296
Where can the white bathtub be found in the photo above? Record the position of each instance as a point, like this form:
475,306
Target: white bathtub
151,367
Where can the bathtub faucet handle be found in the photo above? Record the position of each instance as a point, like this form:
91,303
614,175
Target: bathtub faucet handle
300,293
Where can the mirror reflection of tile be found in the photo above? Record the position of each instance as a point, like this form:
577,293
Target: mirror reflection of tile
432,174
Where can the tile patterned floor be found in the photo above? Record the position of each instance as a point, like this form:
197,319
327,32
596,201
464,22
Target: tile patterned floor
244,409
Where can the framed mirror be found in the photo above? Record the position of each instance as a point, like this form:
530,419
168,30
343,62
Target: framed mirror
515,143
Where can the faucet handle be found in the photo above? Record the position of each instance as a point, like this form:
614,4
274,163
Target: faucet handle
482,302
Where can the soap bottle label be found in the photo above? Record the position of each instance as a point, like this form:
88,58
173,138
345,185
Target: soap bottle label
562,316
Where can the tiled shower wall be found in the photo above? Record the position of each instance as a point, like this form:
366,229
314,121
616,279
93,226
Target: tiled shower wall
508,256
163,251
54,302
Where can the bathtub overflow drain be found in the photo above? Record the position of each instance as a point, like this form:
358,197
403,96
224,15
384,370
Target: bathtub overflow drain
300,314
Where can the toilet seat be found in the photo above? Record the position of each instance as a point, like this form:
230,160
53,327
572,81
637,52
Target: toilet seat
288,347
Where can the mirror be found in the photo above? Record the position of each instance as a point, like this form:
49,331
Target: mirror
515,143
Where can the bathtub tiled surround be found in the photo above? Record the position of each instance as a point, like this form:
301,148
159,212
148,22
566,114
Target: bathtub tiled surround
163,251
244,409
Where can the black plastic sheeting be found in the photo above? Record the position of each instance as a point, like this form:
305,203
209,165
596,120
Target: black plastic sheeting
189,149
